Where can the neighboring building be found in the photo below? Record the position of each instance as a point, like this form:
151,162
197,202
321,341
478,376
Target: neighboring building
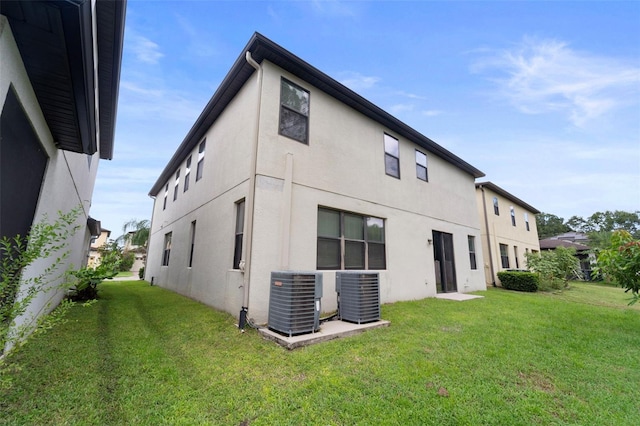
139,252
96,243
577,241
59,77
508,230
287,169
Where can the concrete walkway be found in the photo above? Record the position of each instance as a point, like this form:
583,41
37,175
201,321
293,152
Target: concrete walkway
328,330
460,297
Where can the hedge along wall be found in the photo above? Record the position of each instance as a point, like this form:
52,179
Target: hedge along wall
519,280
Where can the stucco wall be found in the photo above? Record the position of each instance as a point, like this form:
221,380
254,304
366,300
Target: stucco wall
342,167
68,181
498,229
211,203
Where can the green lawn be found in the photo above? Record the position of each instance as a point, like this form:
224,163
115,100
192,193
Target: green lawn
142,355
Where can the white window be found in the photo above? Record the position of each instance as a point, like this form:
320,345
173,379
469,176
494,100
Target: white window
200,167
391,156
421,166
175,186
187,174
294,111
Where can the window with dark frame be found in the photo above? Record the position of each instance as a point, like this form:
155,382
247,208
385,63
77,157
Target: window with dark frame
166,194
166,249
526,221
350,241
176,185
513,216
504,256
515,255
421,166
391,156
472,251
294,111
200,166
187,173
193,242
239,233
496,209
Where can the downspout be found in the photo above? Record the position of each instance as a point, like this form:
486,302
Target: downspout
246,262
486,224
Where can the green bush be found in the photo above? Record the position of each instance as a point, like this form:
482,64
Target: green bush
141,273
127,261
519,280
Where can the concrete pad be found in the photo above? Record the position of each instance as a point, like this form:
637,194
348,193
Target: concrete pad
460,297
328,330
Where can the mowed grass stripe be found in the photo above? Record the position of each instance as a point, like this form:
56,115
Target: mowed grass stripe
144,355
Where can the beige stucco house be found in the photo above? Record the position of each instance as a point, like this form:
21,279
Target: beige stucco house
59,77
508,230
287,169
96,243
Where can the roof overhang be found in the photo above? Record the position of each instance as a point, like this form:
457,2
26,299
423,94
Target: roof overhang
261,49
495,188
56,43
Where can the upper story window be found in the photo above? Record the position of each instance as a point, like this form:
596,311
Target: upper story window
526,221
176,186
166,194
350,241
391,156
496,209
200,167
513,216
294,111
187,174
421,166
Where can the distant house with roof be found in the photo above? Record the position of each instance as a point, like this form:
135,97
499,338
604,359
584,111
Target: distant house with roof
287,169
509,229
577,241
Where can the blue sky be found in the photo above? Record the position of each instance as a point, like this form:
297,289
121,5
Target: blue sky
543,97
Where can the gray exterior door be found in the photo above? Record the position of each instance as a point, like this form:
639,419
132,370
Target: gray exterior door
444,262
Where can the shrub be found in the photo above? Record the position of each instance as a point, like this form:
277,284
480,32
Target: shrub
519,280
555,267
621,263
127,261
45,241
141,273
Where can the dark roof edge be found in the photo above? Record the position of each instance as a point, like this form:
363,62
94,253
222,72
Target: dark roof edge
495,188
262,48
113,12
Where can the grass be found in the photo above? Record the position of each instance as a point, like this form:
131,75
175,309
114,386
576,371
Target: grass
125,274
143,355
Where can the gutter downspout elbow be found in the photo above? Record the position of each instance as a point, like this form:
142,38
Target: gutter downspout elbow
251,198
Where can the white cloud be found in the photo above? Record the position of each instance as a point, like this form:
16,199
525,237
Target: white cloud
431,112
356,81
335,8
145,50
549,76
400,108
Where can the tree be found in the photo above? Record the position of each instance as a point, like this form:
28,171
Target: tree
135,232
608,221
621,263
555,267
550,225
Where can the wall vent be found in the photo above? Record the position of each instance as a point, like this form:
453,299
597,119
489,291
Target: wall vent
294,302
358,296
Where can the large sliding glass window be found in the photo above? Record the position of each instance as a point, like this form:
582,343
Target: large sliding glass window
350,241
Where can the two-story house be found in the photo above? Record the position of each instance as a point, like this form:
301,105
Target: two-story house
287,169
509,230
59,78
